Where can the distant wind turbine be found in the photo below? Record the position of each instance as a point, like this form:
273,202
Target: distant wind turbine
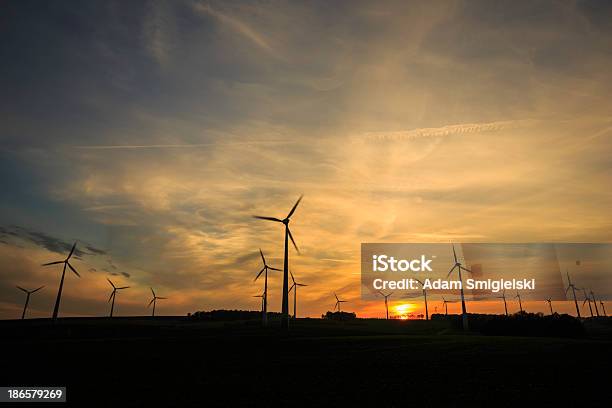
445,304
425,296
603,307
386,302
518,295
264,270
262,301
459,267
587,299
570,285
503,296
61,286
549,300
285,221
113,295
595,302
338,302
28,293
294,288
154,301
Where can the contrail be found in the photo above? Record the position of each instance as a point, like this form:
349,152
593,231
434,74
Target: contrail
448,130
178,146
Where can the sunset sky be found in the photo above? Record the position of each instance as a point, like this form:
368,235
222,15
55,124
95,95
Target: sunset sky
151,132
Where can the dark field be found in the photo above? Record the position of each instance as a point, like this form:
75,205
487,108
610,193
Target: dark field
175,362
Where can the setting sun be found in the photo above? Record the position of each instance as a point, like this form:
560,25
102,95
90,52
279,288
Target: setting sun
402,311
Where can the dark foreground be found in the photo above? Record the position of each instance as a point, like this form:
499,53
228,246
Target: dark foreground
172,362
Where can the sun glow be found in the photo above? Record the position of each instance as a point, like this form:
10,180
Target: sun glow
402,311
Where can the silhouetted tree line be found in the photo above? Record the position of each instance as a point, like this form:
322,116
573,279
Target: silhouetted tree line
339,316
227,315
521,324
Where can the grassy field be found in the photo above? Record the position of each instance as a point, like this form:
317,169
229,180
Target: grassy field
175,362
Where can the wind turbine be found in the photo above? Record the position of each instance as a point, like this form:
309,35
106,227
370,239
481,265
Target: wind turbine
549,300
59,292
425,296
338,301
459,267
114,294
154,301
503,296
595,302
603,307
262,296
28,293
265,292
518,295
386,301
587,299
573,287
445,304
285,221
294,288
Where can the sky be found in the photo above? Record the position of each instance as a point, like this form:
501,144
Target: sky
150,132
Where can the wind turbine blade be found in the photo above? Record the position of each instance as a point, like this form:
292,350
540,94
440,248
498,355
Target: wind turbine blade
418,281
465,269
295,206
274,269
111,296
267,218
36,290
291,288
292,278
152,291
454,253
292,241
152,300
159,297
19,287
336,296
259,274
52,263
71,251
109,281
451,271
123,287
584,303
301,284
73,270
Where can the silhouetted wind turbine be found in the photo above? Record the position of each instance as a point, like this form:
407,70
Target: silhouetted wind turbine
595,302
459,267
59,292
294,288
262,301
445,304
386,302
603,307
425,296
265,292
338,301
518,295
28,293
113,295
573,287
549,300
503,296
587,299
285,221
154,301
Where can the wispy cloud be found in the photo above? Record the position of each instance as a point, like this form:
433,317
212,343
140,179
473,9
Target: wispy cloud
240,28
